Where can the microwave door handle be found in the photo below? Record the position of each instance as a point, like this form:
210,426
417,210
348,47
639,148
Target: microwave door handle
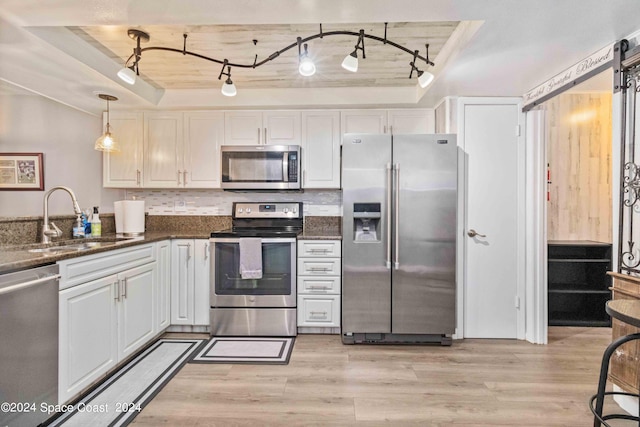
285,166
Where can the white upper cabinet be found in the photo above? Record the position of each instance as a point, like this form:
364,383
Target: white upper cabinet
257,127
405,121
203,136
163,147
182,149
123,169
363,121
321,149
411,121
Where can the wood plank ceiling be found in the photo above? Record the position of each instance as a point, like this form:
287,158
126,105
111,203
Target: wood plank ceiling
384,64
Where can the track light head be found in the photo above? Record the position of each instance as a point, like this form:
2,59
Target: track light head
128,75
350,62
306,67
228,88
424,78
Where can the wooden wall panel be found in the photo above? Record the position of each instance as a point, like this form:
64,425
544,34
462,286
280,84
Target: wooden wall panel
579,156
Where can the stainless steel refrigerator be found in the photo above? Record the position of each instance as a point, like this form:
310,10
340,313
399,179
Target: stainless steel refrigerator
399,238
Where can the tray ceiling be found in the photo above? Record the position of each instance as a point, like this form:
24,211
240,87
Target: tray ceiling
384,65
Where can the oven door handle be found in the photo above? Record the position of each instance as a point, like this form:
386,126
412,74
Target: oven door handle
265,240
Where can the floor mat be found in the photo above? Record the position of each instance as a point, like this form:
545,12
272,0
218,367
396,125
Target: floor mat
118,400
252,350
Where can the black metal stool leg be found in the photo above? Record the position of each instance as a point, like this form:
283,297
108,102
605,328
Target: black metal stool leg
604,372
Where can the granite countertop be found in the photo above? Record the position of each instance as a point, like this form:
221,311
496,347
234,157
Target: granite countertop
321,234
18,257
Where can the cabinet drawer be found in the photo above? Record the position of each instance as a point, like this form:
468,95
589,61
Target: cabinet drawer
321,310
319,266
318,285
319,248
86,268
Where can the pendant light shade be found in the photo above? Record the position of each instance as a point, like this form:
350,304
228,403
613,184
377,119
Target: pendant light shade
350,62
228,88
127,75
106,142
424,78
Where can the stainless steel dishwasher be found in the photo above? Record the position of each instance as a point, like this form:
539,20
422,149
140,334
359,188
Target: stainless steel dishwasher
28,345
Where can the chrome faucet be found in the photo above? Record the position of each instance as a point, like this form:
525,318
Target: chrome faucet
49,231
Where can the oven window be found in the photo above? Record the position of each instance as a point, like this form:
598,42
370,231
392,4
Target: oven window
277,275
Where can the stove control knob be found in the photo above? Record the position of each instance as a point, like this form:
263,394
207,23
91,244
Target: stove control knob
240,210
286,210
248,210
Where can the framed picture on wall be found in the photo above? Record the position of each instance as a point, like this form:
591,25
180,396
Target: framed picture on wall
21,171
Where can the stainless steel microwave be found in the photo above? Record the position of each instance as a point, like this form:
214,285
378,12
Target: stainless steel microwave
260,167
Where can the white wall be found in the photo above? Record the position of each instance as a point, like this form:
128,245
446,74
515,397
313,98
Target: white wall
32,123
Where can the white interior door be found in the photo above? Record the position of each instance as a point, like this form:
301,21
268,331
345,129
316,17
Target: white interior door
492,264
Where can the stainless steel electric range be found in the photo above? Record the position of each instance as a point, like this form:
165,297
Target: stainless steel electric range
262,303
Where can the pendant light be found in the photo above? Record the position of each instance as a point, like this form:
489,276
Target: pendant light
107,142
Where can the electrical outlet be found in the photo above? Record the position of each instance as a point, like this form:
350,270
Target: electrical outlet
179,206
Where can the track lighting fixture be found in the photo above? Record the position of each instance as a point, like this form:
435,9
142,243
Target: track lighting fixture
306,67
107,142
128,73
424,77
350,62
228,88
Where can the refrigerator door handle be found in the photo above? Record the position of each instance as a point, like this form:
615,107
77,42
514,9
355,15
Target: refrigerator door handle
389,186
397,215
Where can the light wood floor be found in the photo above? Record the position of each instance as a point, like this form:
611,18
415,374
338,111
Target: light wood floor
473,383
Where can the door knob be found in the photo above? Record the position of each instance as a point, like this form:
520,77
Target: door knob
474,233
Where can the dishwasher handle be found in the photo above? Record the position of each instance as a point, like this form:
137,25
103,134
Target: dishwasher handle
29,283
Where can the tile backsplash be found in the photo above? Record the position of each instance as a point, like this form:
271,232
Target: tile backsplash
218,202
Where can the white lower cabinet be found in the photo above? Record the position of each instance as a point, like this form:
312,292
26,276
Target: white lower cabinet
101,323
190,282
319,283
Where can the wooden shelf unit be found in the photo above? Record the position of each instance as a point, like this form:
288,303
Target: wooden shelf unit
578,285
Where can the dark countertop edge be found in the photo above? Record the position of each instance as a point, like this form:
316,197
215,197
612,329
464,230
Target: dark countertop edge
35,260
30,260
319,236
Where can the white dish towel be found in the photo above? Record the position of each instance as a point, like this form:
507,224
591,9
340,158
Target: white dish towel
251,258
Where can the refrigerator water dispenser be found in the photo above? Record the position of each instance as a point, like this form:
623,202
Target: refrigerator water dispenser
366,222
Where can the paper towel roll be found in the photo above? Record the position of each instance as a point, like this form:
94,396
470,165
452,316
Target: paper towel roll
133,224
118,209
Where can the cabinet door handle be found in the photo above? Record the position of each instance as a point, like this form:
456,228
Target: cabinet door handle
179,183
322,251
124,288
184,178
320,269
318,313
319,288
188,251
206,251
384,129
265,136
259,136
138,177
116,286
